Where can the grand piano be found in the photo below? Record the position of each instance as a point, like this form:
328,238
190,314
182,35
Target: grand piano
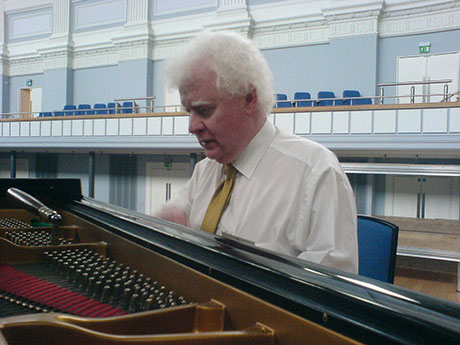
74,270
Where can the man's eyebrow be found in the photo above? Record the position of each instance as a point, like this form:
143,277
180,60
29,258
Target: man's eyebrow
200,103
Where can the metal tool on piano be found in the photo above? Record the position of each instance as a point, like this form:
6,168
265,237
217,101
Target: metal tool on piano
29,202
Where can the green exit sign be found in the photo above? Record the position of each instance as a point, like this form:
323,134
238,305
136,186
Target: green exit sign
424,48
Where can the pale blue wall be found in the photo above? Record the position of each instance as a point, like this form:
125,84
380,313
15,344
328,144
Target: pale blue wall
104,84
163,9
341,64
158,81
57,89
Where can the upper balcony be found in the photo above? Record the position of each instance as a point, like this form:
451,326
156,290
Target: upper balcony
431,129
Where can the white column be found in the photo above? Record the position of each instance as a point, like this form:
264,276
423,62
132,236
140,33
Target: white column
137,11
136,40
2,29
232,15
232,4
2,23
61,18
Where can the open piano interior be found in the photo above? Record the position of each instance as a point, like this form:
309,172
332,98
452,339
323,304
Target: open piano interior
101,274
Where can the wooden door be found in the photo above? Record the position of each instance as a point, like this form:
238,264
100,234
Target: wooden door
25,106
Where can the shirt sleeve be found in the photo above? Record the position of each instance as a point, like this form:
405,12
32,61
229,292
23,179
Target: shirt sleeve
328,232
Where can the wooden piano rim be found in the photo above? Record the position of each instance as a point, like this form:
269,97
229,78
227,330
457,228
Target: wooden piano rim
44,328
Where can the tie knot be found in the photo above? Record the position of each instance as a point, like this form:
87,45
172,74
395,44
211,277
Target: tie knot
230,171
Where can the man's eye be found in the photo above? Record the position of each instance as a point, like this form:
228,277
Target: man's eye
204,111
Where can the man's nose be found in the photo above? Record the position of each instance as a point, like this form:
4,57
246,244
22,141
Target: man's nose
196,123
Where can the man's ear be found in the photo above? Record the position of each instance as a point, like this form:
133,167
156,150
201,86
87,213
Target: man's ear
251,101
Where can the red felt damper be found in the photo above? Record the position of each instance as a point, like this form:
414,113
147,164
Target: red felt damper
38,290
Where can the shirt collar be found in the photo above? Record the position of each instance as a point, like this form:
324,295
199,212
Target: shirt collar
247,162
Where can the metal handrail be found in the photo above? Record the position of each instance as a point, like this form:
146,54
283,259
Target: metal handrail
374,98
452,95
412,89
64,113
149,99
416,82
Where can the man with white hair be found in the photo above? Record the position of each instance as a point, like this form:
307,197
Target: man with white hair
282,192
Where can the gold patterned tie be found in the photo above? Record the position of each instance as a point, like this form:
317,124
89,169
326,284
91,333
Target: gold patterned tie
219,200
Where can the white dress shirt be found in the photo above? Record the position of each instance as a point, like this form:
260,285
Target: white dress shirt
290,196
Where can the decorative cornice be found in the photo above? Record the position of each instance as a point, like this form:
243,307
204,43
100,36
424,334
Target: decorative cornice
94,58
134,50
349,21
26,66
419,7
161,39
408,22
166,48
290,35
366,26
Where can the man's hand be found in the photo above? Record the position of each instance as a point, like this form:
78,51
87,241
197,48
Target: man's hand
173,214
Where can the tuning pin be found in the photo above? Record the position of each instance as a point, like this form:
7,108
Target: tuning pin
149,304
106,294
133,303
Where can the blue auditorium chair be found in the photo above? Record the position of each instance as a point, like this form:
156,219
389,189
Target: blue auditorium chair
46,114
112,107
282,101
69,109
377,244
355,101
100,108
83,109
325,102
361,101
59,113
127,107
300,99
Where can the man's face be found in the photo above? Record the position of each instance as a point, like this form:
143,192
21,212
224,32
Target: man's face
218,120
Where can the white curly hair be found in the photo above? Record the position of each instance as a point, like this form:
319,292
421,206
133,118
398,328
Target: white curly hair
237,63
